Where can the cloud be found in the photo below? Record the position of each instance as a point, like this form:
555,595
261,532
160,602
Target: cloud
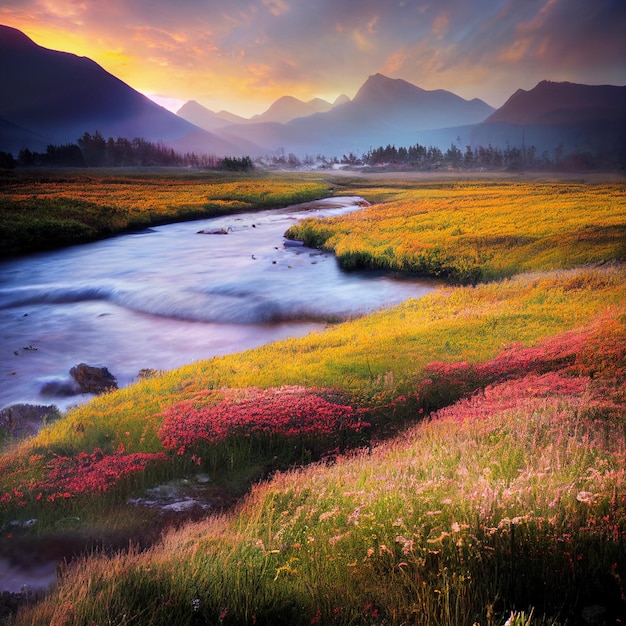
276,7
440,25
242,53
512,44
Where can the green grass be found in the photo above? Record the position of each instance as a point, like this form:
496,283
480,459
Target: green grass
511,499
50,209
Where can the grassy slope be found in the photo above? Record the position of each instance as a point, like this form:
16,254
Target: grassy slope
468,323
510,500
296,547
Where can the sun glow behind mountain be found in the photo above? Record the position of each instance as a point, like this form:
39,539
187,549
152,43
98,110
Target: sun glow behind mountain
171,104
243,55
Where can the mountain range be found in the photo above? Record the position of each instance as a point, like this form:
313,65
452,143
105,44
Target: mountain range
51,97
568,116
384,110
283,110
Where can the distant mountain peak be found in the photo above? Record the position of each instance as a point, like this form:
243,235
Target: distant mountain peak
379,86
197,114
551,102
379,78
398,103
288,108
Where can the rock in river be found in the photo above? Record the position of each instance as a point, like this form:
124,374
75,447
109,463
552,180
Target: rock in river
93,379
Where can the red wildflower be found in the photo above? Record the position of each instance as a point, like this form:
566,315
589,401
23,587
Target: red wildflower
286,412
97,472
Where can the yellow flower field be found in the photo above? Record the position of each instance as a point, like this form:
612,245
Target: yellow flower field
471,231
55,208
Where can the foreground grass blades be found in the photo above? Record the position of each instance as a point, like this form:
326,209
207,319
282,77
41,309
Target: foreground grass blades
512,498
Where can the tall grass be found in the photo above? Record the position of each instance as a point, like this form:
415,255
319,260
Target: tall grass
511,500
43,210
373,359
381,364
470,232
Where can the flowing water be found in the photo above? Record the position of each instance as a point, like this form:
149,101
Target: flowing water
163,298
170,295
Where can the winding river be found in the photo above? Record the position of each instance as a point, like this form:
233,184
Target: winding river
171,295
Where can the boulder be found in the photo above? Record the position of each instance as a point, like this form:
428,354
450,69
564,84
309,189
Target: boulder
25,420
93,379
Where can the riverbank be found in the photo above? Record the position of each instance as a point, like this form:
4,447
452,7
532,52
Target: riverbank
46,209
51,209
169,296
476,231
427,486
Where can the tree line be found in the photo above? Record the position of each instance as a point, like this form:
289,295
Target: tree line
482,158
96,151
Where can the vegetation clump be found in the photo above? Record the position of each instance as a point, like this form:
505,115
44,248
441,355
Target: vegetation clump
45,209
291,421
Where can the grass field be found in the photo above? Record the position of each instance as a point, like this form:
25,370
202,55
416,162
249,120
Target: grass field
458,459
475,231
46,209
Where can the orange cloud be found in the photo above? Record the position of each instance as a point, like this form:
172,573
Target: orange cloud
516,51
440,26
276,7
363,41
239,53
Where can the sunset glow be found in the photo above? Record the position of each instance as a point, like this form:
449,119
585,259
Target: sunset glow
244,54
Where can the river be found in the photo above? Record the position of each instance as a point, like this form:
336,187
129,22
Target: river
170,295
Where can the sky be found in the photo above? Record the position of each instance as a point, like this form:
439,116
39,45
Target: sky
241,55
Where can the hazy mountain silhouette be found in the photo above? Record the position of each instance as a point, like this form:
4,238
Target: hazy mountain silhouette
405,105
57,97
50,97
289,108
563,115
562,103
202,117
383,111
281,111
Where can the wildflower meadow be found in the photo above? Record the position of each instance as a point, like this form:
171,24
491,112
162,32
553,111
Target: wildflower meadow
468,232
50,208
457,460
